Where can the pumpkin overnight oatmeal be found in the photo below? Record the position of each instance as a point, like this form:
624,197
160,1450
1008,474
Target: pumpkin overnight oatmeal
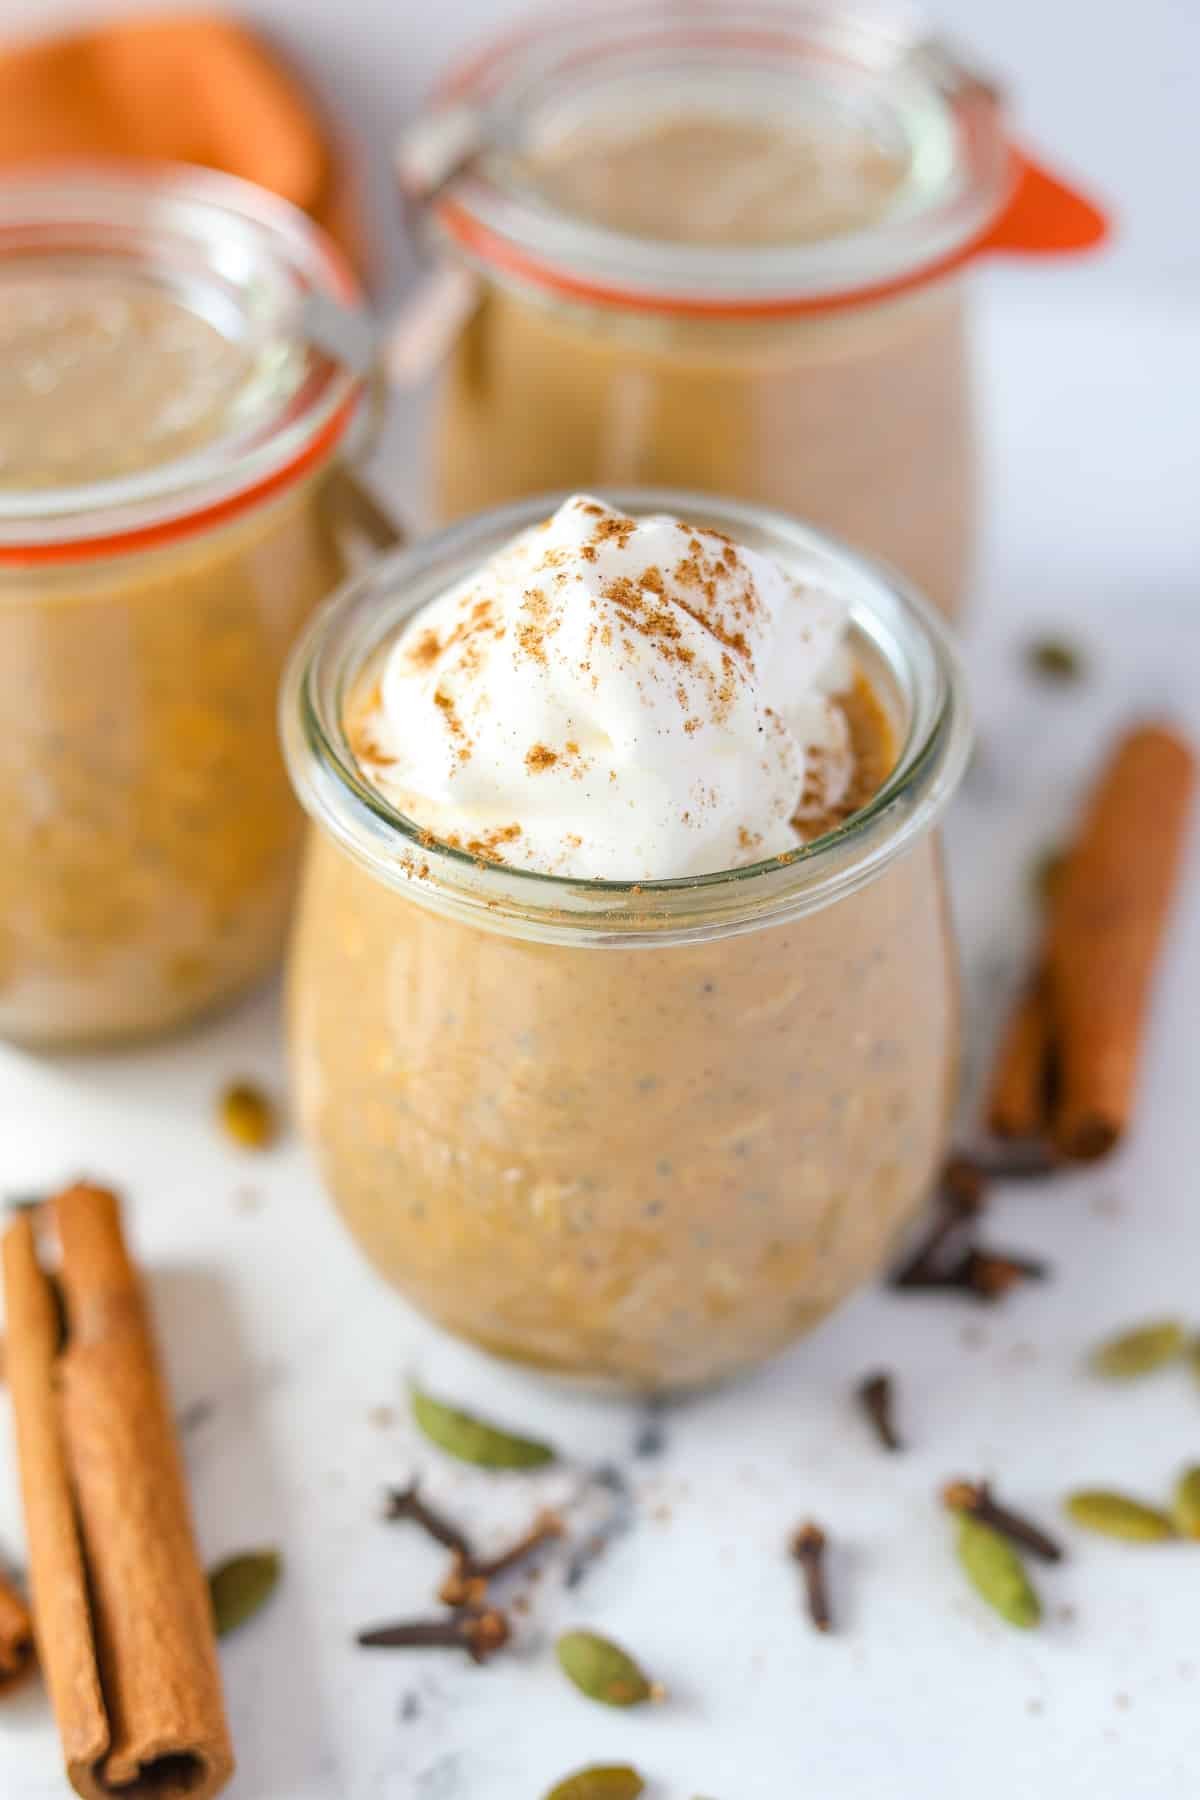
622,995
169,518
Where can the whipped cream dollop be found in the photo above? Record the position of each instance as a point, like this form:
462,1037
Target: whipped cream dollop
617,698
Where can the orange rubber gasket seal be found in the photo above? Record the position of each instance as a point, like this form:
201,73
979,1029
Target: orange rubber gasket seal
1041,216
151,537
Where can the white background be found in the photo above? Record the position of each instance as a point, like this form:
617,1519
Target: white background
1091,381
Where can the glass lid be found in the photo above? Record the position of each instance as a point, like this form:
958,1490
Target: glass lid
714,153
154,357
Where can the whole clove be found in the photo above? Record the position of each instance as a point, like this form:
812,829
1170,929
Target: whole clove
964,1186
975,1498
479,1631
960,1199
989,1274
980,1274
942,1261
467,1582
808,1549
875,1392
407,1503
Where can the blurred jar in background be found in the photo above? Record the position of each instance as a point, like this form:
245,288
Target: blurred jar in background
724,248
172,503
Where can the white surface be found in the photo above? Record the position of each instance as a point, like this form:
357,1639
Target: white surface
1091,379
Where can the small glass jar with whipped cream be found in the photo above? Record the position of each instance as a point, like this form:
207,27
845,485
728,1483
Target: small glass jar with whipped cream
174,501
724,248
622,1001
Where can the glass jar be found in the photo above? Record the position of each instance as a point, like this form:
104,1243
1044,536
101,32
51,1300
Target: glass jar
173,505
723,248
642,1134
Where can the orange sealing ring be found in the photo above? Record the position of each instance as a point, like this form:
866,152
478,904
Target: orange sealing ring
1042,216
150,537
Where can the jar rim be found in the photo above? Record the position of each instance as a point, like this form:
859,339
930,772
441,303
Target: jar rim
949,118
889,619
175,224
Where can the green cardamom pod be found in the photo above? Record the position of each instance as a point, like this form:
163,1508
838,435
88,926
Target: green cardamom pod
1054,659
609,1781
1140,1351
997,1573
474,1441
1185,1503
1116,1515
602,1670
241,1585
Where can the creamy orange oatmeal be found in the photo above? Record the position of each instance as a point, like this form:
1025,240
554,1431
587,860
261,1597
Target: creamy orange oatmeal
169,517
622,1131
148,840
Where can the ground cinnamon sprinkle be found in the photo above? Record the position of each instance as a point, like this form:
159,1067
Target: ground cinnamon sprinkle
614,529
540,757
487,845
426,650
540,624
454,724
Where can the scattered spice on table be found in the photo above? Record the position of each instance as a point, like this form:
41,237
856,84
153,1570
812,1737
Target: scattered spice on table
248,1115
1067,1066
601,1781
876,1395
975,1498
470,1576
481,1632
808,1548
1055,660
241,1586
1118,1515
121,1605
1141,1350
1185,1503
603,1671
409,1503
473,1440
946,1260
996,1572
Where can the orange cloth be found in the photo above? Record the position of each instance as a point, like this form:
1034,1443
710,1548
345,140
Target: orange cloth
193,88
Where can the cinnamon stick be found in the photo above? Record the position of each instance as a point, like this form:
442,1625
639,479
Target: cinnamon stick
120,1604
1107,920
1019,1096
1067,1065
16,1636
